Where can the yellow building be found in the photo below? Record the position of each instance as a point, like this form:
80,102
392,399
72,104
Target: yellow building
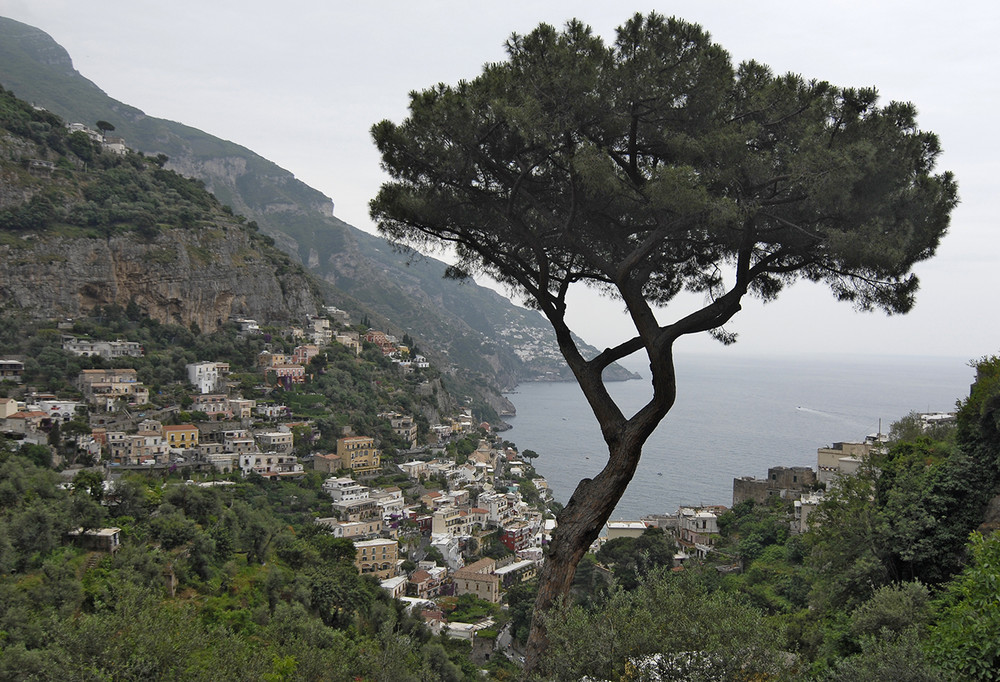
377,557
359,454
183,436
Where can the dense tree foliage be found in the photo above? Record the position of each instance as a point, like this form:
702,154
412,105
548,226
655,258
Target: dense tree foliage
633,558
94,189
667,623
261,593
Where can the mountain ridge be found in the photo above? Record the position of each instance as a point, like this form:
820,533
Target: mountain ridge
473,326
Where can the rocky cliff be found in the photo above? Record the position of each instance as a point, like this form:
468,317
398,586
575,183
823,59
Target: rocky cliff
187,277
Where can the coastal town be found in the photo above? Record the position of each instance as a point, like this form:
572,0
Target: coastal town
208,472
455,510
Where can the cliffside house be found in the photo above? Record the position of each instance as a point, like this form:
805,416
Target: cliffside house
327,464
425,583
403,426
359,454
11,370
286,374
478,579
516,572
242,408
451,521
97,539
364,509
105,349
207,376
624,529
369,528
281,442
351,340
304,353
842,459
345,489
136,448
699,527
377,557
270,465
386,343
8,407
215,405
26,421
181,436
415,469
103,387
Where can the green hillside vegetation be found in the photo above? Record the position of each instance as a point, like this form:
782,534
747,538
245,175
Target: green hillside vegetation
895,580
216,583
89,191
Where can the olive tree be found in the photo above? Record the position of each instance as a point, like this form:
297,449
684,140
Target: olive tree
644,168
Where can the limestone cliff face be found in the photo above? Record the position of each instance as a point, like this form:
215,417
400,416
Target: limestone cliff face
179,276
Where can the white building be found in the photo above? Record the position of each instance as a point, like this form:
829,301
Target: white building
319,331
414,469
390,500
803,508
247,326
698,526
59,410
450,550
104,349
396,587
498,507
345,489
205,376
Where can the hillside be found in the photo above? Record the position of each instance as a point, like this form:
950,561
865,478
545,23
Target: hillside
82,227
473,327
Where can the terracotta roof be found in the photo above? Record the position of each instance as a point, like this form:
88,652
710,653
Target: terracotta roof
27,415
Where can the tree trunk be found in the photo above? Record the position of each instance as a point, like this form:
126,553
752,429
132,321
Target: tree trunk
579,524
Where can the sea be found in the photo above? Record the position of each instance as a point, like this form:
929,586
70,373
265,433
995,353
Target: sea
734,416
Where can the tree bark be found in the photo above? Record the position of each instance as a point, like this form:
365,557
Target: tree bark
590,506
580,523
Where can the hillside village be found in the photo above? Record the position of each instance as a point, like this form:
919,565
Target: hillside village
465,513
453,511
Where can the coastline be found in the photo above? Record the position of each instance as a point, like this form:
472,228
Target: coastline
734,417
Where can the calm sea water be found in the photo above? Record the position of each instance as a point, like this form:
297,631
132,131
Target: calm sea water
733,417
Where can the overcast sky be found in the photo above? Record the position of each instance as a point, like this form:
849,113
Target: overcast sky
301,82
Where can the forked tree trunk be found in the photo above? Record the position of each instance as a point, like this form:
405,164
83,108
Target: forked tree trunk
593,501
